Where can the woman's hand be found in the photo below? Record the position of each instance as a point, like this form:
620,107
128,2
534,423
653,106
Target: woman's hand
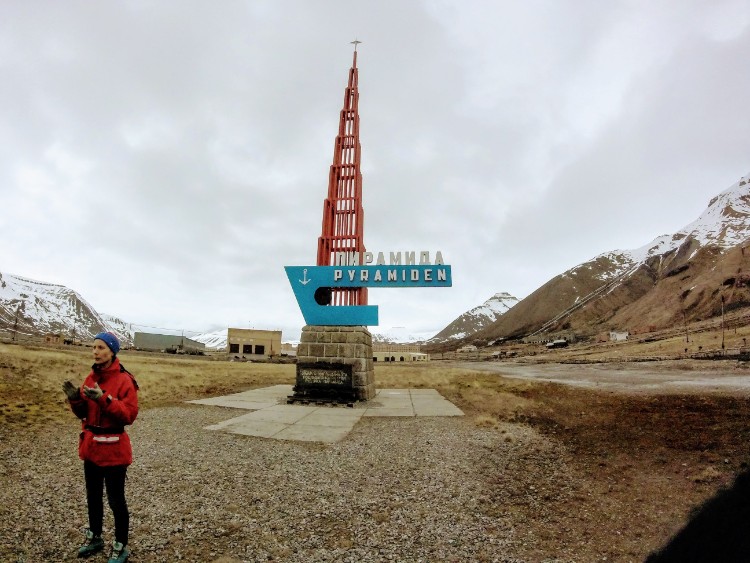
92,392
71,391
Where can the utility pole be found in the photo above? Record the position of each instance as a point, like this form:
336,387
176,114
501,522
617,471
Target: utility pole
722,322
15,323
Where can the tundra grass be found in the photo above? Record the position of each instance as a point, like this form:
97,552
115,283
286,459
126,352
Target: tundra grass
31,382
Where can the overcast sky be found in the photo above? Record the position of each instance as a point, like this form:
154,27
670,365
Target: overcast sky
167,159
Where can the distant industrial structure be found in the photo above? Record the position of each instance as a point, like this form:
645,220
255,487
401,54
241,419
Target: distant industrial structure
51,338
546,338
253,344
400,357
618,335
170,343
288,349
398,353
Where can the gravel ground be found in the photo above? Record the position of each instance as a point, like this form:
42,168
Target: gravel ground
395,489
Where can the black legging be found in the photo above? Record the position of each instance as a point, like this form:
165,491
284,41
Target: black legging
114,477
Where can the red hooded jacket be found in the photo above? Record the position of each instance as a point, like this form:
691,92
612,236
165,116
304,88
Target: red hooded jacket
104,440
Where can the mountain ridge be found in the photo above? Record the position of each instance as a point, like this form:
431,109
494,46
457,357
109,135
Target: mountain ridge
674,278
688,275
33,307
476,319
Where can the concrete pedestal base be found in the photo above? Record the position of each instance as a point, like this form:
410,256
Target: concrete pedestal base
335,363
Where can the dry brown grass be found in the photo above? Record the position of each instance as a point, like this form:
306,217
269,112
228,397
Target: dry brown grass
700,338
643,460
480,394
31,379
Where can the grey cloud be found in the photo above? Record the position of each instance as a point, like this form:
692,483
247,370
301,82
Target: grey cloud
191,143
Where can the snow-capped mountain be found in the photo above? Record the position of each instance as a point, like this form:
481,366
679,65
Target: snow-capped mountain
672,279
34,308
466,324
725,223
120,328
31,307
215,340
476,319
398,335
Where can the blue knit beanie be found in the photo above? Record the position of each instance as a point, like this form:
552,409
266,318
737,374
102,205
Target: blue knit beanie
110,340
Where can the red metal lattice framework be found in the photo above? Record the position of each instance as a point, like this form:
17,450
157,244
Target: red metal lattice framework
343,215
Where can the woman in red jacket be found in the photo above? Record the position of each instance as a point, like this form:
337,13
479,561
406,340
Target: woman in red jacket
106,403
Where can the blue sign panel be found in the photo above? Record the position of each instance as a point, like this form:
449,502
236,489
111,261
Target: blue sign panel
307,281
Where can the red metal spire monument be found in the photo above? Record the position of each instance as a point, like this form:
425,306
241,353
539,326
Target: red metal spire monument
334,356
343,215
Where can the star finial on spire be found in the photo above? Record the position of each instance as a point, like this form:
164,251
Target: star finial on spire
355,43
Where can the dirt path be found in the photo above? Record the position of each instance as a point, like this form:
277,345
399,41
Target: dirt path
571,463
674,377
649,441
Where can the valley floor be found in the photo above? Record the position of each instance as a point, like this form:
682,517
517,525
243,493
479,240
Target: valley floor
536,471
664,377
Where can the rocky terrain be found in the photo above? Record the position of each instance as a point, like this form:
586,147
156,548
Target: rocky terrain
534,472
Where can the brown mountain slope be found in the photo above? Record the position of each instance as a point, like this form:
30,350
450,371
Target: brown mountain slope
693,291
684,285
688,276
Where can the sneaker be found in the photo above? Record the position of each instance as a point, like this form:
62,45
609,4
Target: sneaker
92,544
120,553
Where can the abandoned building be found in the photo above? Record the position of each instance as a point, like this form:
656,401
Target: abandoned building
253,344
171,343
398,353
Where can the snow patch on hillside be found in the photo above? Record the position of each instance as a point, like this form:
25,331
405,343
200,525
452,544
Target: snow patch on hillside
477,318
724,223
36,307
215,340
398,335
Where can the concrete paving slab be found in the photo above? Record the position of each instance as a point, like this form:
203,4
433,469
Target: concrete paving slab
285,416
388,406
432,392
272,417
254,399
233,403
323,418
340,410
259,428
229,422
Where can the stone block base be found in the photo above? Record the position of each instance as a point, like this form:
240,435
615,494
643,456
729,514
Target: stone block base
335,361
